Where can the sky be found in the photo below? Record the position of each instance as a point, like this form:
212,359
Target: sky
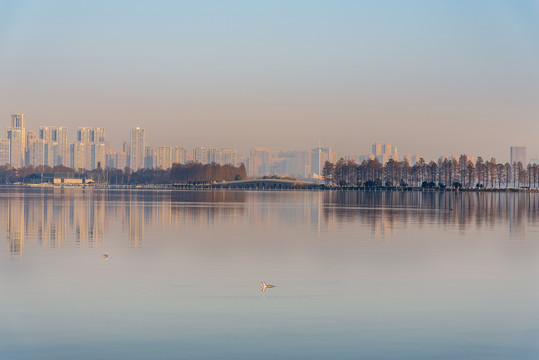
430,77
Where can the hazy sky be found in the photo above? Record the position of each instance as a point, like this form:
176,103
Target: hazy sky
431,77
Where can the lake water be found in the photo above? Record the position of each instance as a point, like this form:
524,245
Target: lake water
358,275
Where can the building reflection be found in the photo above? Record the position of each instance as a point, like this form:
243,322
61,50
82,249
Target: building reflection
55,218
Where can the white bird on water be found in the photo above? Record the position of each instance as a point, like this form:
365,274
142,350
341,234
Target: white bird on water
264,286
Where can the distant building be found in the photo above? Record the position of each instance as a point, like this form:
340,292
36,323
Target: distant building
35,154
94,154
137,149
56,145
214,156
384,152
116,160
170,155
518,154
200,155
4,152
412,159
16,146
292,163
77,155
228,156
260,164
319,156
365,157
149,157
18,121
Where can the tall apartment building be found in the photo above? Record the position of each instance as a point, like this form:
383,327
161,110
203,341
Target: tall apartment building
34,149
77,155
88,152
319,156
56,145
94,146
116,160
412,159
149,157
259,162
170,155
384,152
136,149
293,163
4,152
17,137
200,155
228,156
16,147
518,154
18,121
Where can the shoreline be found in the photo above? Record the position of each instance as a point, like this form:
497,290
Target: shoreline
321,187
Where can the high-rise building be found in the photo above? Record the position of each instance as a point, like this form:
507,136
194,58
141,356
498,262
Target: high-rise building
263,164
56,145
116,160
518,154
94,146
77,155
34,150
296,163
149,157
136,149
4,152
16,147
200,155
384,152
319,156
18,121
98,155
170,155
228,156
365,157
179,155
164,157
412,159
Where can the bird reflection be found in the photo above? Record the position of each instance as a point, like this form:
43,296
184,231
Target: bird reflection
264,286
105,256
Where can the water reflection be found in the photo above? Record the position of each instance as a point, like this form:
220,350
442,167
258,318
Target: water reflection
52,217
383,211
55,218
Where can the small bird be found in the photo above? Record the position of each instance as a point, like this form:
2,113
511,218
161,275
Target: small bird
105,256
264,286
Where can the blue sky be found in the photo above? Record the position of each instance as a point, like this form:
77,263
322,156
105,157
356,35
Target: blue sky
431,77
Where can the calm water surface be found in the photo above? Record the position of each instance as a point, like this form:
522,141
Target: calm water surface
358,275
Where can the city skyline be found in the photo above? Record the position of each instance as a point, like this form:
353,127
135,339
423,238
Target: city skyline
430,77
91,150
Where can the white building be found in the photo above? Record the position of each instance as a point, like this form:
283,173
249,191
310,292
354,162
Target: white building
518,154
136,149
56,145
16,147
4,152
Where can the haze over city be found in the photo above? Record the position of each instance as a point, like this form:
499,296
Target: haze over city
432,78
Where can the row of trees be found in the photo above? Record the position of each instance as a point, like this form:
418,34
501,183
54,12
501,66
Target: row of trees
443,173
191,173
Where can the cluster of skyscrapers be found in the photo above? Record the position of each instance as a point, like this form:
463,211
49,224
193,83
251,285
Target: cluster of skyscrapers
50,146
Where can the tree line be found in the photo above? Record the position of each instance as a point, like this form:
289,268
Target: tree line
191,173
456,173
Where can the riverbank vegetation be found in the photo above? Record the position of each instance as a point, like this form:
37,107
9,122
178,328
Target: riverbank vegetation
191,173
455,173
